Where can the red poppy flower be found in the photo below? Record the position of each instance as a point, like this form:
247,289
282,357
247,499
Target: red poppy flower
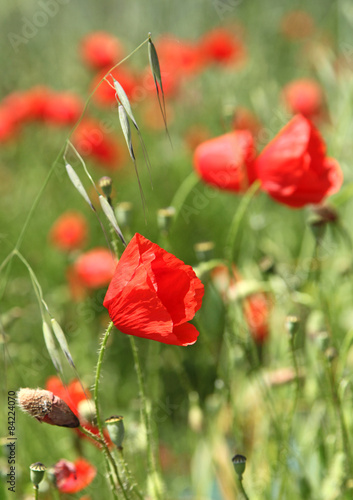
304,96
293,168
178,57
105,94
73,477
221,46
8,126
18,105
36,100
62,108
101,49
153,294
69,231
95,268
257,310
227,161
91,139
80,403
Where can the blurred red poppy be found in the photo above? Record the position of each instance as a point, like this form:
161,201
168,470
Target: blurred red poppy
153,294
105,94
92,140
95,268
8,126
304,96
62,108
297,25
80,403
36,100
69,231
293,168
257,311
101,49
178,57
227,161
73,477
221,46
18,105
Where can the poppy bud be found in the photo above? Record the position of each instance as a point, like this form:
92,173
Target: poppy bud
106,184
37,473
115,426
124,213
292,325
204,250
165,218
46,407
239,462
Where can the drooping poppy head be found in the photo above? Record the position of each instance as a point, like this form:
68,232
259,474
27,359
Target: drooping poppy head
153,294
221,46
92,140
303,96
95,268
62,108
293,167
227,161
81,404
71,477
69,231
100,49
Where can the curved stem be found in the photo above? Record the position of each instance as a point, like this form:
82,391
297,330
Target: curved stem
237,220
107,454
150,457
182,193
243,492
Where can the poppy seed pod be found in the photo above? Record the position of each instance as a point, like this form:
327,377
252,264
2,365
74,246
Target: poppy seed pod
115,426
37,473
46,407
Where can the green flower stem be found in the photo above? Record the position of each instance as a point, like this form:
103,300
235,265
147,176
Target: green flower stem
128,475
339,410
35,492
150,458
237,220
108,457
182,193
242,490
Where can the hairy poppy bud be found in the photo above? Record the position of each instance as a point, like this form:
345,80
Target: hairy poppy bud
46,407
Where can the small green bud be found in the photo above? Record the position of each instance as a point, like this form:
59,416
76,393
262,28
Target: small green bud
165,218
124,213
239,462
204,250
292,325
106,184
115,426
37,473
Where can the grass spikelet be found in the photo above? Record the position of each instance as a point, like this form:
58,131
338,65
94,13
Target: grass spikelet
51,347
109,213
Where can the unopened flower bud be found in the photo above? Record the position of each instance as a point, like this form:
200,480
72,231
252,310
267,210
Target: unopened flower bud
292,325
46,407
204,250
239,462
115,426
106,184
37,473
165,218
124,213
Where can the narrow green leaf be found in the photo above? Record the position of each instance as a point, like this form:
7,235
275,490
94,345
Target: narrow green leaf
60,337
78,184
123,98
51,347
109,212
